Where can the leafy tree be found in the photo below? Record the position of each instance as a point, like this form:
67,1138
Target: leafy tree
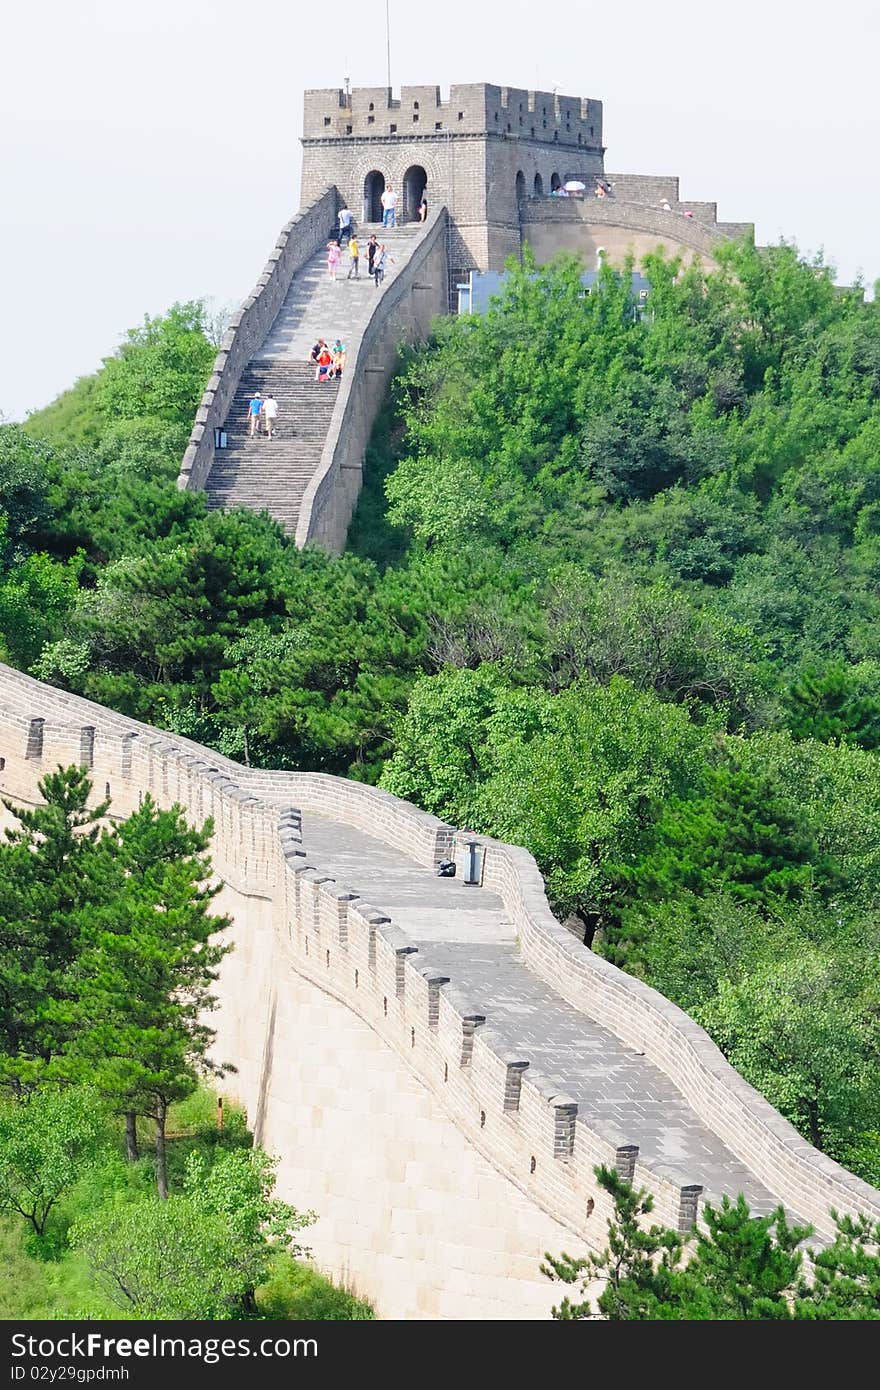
687,944
443,751
24,489
652,635
238,1187
800,1032
168,1259
160,369
72,418
200,1254
47,1141
836,791
581,791
36,598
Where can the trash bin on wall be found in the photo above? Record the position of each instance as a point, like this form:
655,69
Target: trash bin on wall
469,857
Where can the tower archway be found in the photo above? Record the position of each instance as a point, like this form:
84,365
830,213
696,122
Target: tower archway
415,181
555,182
539,186
520,186
374,187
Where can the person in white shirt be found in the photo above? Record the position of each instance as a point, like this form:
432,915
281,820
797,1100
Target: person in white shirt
270,415
389,208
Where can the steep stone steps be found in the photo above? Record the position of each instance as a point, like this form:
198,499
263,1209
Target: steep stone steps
273,474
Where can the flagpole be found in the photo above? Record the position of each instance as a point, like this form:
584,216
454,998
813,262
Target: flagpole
388,39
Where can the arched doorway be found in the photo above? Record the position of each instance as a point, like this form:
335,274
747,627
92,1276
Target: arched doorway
520,186
539,186
555,182
374,187
415,181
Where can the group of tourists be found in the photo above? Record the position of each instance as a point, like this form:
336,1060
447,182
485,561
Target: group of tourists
262,414
377,257
328,361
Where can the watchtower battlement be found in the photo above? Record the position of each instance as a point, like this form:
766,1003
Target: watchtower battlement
472,109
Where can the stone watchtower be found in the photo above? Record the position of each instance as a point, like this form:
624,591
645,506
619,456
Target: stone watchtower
481,153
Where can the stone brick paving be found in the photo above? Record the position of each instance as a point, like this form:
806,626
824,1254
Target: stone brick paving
463,931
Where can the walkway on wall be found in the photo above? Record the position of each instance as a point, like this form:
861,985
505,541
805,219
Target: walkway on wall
273,474
462,930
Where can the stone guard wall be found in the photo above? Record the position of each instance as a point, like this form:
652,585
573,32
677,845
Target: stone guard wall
513,1116
404,312
636,218
297,241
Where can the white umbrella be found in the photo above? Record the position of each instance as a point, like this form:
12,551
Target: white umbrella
575,186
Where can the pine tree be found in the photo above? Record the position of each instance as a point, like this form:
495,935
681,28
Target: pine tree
740,1267
846,1275
51,869
638,1266
142,983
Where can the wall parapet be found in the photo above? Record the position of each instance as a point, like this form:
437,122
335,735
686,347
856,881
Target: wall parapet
702,236
523,1123
297,241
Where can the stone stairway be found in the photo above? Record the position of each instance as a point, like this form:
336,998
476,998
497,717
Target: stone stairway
272,475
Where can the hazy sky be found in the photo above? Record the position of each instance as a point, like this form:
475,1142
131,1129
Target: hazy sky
150,152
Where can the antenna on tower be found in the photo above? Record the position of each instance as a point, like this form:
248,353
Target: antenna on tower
388,39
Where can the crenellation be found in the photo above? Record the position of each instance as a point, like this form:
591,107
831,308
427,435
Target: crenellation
434,980
35,739
514,1070
87,746
625,1159
687,1214
478,108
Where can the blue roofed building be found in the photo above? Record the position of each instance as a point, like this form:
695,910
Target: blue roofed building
481,286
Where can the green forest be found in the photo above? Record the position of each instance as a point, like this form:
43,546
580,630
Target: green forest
611,592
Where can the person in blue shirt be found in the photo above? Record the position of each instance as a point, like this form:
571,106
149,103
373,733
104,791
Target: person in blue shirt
255,405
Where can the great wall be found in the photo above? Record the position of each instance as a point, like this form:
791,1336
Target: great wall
439,1065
